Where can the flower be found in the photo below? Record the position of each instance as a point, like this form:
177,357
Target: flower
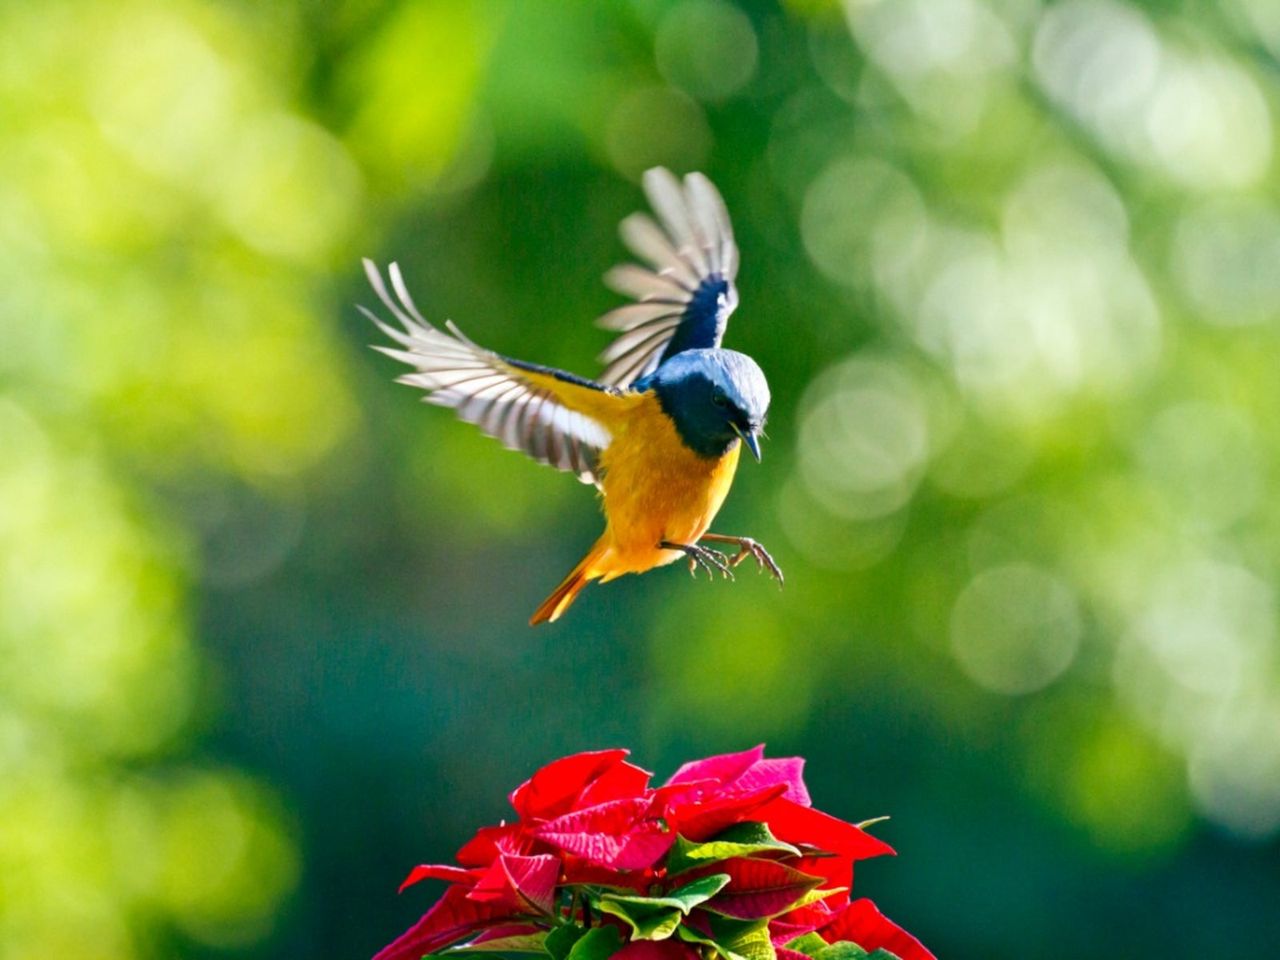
728,860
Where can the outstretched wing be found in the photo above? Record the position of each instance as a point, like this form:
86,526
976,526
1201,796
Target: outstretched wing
553,416
685,296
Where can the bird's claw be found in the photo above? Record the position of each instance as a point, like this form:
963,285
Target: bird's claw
750,548
712,561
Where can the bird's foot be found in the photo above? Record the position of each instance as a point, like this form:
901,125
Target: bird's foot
704,557
749,548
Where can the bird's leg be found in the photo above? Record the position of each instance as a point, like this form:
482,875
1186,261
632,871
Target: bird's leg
748,548
709,560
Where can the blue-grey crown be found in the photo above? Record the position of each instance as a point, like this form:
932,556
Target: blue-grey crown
713,396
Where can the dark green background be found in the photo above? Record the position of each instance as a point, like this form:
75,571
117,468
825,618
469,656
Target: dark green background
1011,269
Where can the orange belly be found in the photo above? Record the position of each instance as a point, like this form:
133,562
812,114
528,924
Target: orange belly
655,489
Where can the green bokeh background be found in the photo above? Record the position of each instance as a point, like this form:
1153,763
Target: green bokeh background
1013,269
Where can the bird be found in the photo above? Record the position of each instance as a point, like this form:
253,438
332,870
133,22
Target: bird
660,431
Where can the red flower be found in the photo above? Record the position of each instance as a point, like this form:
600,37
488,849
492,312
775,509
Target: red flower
656,950
620,834
745,772
758,888
708,795
452,918
861,923
521,884
728,854
798,824
582,780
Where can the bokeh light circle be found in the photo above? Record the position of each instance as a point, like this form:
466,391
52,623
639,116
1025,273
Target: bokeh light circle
706,48
1015,628
864,438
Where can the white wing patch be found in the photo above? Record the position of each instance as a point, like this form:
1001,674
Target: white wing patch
493,392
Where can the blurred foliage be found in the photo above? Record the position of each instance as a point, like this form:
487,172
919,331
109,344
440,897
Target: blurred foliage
1010,267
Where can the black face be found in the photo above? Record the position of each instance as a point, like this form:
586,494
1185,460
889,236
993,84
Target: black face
715,398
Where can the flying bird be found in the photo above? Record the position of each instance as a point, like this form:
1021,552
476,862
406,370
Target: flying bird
659,433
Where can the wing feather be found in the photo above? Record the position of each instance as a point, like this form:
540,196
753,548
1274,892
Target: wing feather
642,285
552,416
637,336
636,363
632,315
686,293
672,206
712,215
647,241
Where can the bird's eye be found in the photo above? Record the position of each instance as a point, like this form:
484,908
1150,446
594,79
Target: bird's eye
719,399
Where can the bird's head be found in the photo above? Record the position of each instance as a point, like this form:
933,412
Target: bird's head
715,398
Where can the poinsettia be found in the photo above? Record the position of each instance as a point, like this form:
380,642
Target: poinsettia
728,860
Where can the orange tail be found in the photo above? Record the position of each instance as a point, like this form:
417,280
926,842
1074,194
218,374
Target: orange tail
562,596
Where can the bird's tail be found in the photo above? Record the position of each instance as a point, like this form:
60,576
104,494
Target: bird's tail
562,596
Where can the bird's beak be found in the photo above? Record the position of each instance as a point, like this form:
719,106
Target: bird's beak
750,439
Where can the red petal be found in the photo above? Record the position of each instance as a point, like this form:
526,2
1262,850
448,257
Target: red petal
615,834
699,922
615,817
482,849
554,788
434,871
678,794
700,820
870,929
577,870
783,931
520,883
835,872
656,950
507,930
723,768
452,918
639,849
758,888
809,917
784,954
746,772
765,773
618,782
796,824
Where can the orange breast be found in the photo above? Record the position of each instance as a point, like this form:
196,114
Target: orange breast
656,488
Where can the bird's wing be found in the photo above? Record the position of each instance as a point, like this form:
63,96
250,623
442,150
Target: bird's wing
553,416
685,295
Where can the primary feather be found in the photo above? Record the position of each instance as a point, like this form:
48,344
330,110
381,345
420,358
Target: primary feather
686,294
537,410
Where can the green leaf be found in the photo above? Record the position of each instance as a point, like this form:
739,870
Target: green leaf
739,840
761,887
810,944
598,943
519,943
841,950
656,918
699,891
844,950
562,939
745,939
735,939
690,935
683,898
657,924
813,896
847,950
